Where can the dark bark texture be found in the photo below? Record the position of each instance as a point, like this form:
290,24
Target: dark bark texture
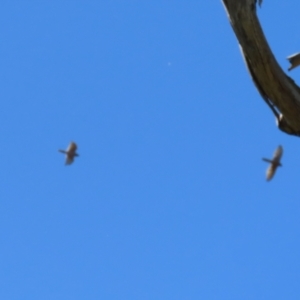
278,90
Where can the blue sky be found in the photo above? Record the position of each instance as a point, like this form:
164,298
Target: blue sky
168,199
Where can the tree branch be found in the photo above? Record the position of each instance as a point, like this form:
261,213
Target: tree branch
277,89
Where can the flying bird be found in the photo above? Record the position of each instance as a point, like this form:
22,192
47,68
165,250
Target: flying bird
274,163
70,153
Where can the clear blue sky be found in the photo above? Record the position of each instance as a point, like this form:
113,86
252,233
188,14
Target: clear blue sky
168,199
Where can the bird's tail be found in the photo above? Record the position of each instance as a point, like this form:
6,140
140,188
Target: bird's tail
62,151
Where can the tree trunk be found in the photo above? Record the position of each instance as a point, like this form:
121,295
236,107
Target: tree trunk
277,89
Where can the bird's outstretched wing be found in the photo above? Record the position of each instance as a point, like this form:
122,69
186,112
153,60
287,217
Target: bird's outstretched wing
69,159
271,171
277,155
72,148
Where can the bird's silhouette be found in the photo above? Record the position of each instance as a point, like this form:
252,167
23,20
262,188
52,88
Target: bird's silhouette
70,153
274,163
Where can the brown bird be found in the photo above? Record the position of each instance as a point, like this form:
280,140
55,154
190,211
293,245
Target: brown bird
274,163
70,153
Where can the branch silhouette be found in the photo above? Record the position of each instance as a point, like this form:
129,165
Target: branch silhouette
277,89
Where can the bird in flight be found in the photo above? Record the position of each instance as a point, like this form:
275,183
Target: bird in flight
274,163
70,153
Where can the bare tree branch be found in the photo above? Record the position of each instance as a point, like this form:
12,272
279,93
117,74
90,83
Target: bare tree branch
294,61
277,89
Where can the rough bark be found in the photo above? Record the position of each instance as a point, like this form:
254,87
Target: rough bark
277,89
